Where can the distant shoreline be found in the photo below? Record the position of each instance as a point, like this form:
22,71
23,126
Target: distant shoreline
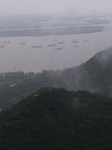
47,32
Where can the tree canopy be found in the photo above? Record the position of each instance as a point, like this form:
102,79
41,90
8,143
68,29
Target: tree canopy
58,119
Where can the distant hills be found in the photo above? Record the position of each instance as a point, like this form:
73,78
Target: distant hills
56,119
95,75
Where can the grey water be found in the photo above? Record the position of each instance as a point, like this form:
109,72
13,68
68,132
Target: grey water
50,52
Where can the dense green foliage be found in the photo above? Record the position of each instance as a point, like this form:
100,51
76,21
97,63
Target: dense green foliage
25,84
58,119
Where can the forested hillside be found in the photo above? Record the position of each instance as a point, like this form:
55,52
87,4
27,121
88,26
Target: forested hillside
56,119
95,75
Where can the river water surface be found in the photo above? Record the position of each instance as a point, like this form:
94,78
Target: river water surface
62,52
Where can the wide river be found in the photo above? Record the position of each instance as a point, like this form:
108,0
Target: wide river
36,55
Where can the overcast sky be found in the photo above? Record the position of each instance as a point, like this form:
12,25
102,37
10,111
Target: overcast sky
63,7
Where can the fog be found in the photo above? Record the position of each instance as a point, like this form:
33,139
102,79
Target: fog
55,7
46,22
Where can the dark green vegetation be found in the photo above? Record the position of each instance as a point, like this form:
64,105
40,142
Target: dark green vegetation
58,119
95,76
25,84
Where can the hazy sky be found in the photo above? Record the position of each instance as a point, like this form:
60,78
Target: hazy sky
55,7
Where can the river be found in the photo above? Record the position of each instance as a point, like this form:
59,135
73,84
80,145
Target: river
15,56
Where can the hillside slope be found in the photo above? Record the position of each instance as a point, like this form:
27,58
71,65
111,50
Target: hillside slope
95,75
58,119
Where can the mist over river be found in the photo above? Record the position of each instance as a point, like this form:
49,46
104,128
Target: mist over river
34,54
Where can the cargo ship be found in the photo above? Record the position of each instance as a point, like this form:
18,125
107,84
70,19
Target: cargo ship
38,46
76,46
76,41
1,46
6,42
52,45
58,48
85,40
22,43
61,42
